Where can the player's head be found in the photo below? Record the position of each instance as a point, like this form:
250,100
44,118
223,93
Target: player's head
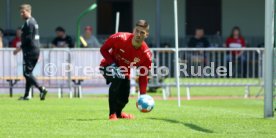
236,32
199,32
25,11
141,31
60,31
88,30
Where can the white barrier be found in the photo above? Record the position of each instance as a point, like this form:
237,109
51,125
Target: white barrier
247,70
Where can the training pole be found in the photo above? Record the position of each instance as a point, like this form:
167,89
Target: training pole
176,53
117,22
268,69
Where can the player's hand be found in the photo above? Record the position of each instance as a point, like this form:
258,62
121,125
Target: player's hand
116,72
111,72
15,52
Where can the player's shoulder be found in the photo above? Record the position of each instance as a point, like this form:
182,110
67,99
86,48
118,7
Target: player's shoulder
32,21
145,48
120,36
146,51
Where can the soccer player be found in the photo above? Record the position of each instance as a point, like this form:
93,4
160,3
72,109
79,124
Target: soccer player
121,51
30,49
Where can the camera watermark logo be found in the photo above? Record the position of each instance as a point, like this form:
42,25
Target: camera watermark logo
50,69
206,71
185,70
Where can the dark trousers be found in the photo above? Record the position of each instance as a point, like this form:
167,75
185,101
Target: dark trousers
118,95
30,60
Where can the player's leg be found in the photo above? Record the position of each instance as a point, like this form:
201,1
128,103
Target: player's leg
28,72
123,100
43,90
27,90
123,96
114,91
26,75
28,67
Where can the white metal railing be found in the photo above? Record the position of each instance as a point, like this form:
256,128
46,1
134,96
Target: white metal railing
247,69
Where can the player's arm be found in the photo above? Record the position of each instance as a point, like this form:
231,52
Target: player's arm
109,44
70,42
243,46
54,43
227,43
30,33
18,49
96,42
144,71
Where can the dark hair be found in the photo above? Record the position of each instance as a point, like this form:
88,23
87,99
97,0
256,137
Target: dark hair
142,23
60,29
234,29
199,28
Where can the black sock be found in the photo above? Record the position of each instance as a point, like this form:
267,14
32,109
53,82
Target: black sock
27,89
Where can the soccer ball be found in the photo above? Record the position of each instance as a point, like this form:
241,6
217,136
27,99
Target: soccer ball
145,103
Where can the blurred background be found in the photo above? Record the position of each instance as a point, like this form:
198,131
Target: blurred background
216,17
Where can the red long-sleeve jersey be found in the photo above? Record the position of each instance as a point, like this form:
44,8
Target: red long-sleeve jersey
118,49
235,43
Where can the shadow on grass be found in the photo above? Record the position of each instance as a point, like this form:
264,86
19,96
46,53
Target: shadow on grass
189,125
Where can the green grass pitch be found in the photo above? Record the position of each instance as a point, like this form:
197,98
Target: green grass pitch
88,117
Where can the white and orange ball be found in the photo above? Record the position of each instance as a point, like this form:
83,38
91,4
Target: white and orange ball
145,103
